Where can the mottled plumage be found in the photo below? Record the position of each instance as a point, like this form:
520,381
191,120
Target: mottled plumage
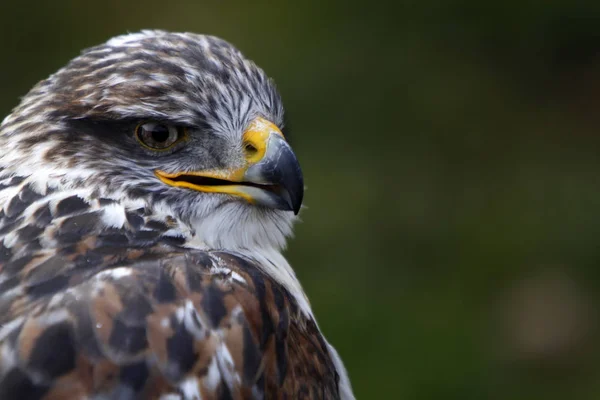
130,271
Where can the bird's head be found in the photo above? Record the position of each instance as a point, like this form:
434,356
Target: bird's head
181,121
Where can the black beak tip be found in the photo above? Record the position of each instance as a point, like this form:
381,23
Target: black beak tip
297,206
293,195
298,194
291,180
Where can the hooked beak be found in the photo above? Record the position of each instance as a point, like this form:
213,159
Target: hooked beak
270,177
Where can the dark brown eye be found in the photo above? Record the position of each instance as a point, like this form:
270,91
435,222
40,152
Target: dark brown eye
157,136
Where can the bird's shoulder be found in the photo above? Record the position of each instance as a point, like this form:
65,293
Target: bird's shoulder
100,299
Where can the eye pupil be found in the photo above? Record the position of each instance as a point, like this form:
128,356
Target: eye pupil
160,133
157,136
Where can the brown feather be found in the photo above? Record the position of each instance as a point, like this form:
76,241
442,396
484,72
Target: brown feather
137,321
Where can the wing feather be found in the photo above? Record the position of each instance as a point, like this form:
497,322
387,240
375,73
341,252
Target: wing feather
129,313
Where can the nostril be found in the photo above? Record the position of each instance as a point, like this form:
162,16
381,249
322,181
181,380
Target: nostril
250,149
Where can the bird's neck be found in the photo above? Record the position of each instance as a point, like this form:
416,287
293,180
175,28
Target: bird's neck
268,257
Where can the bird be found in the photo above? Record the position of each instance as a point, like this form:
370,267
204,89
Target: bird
147,191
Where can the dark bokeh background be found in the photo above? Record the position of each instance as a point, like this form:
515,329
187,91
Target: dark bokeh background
451,243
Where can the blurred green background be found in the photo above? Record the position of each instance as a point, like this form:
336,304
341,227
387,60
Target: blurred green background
451,245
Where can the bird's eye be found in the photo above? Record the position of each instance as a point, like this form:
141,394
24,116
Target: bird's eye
157,136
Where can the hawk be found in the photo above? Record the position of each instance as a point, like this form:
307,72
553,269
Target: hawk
146,194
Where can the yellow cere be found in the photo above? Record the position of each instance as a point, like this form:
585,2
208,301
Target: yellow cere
257,135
